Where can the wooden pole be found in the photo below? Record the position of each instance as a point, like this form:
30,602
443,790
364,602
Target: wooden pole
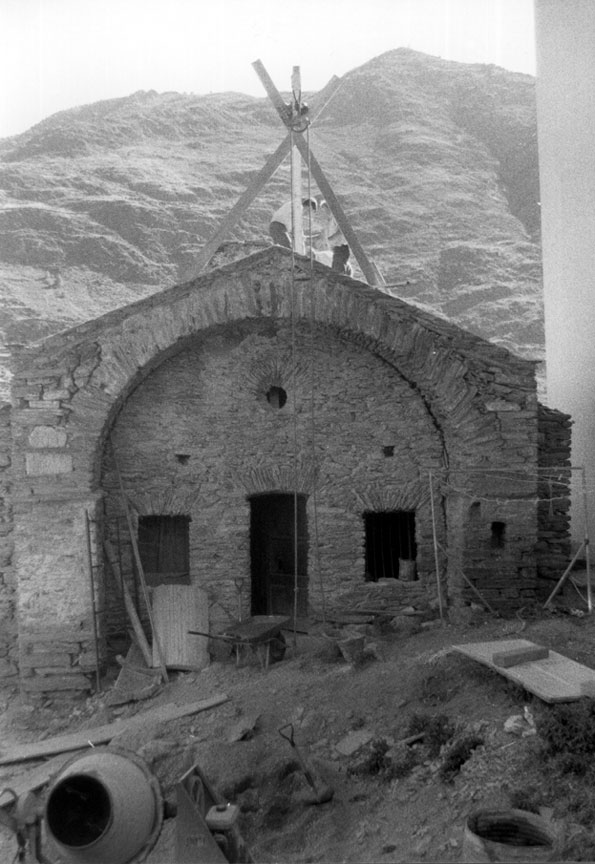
129,604
476,591
563,576
297,215
586,542
370,271
436,559
141,576
297,219
93,604
242,204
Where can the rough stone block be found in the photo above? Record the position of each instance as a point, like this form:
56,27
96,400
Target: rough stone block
38,660
49,683
47,436
514,657
48,463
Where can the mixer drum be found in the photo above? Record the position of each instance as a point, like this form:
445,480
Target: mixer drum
104,805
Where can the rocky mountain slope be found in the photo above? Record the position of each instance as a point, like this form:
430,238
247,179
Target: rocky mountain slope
435,163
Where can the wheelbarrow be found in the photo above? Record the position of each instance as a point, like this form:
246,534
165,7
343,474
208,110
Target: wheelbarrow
261,633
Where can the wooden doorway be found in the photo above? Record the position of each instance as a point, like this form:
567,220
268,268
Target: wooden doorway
273,554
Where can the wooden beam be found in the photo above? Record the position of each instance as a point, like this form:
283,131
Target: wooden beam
102,734
258,182
370,271
267,82
129,604
242,204
297,216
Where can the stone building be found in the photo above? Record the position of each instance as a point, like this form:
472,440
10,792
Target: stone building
263,398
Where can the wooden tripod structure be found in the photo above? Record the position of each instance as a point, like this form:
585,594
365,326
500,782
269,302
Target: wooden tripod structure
296,119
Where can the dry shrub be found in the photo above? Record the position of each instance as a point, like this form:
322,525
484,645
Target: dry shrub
456,756
567,732
438,731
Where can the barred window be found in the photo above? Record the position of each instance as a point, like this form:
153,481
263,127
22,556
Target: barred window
164,547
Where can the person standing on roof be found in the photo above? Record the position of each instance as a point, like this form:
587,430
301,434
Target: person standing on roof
280,227
333,239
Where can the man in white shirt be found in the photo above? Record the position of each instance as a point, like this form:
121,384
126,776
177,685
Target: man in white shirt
280,227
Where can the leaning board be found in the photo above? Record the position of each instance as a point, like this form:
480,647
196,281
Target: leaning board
553,679
176,610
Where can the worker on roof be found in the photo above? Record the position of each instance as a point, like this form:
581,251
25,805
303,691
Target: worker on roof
280,227
332,238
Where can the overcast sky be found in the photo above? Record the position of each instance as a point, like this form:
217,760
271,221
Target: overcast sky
57,54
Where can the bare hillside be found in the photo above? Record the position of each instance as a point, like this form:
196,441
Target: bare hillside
435,163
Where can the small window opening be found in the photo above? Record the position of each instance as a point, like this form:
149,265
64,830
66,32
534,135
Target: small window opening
164,548
182,458
389,450
389,543
498,537
475,512
276,397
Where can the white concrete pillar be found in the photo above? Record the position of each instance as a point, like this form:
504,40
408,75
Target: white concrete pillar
565,36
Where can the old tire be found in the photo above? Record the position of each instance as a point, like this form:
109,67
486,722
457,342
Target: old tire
507,835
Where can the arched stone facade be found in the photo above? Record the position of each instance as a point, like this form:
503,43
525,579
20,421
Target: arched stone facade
443,399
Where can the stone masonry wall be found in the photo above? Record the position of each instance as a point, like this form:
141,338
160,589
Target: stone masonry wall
553,548
8,625
471,403
56,637
209,404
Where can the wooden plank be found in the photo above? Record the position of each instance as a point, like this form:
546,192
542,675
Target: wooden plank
553,679
176,610
129,604
33,779
141,575
104,734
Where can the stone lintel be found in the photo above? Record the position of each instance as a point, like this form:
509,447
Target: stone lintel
38,463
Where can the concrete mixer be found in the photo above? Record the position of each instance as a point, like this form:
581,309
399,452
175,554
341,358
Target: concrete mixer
105,806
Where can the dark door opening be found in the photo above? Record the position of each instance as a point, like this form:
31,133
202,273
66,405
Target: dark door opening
390,538
272,554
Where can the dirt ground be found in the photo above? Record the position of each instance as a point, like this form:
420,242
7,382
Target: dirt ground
375,815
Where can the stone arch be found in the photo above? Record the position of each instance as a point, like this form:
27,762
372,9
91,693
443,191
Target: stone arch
69,390
106,359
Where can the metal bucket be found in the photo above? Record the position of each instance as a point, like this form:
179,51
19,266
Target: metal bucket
507,835
104,805
407,569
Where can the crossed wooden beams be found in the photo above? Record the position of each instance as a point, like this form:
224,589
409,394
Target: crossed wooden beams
295,137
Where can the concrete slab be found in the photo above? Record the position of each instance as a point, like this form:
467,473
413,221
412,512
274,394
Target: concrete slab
554,678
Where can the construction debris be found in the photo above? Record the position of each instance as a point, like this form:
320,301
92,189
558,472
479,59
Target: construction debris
136,680
104,734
